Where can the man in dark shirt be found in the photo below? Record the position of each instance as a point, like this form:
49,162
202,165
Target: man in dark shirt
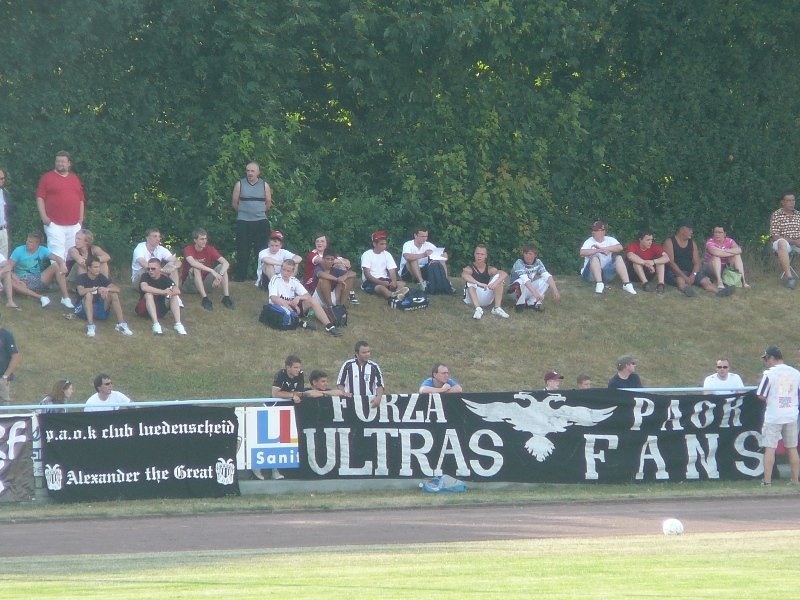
159,294
98,295
9,361
626,376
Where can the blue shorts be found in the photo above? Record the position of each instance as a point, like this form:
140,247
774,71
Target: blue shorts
100,312
370,287
608,272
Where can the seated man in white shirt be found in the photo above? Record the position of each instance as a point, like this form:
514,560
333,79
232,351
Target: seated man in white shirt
271,258
106,398
152,248
723,381
380,270
419,257
288,294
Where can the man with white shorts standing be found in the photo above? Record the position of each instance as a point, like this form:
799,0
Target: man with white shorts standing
778,388
61,203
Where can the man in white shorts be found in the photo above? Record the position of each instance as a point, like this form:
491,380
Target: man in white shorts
483,284
778,388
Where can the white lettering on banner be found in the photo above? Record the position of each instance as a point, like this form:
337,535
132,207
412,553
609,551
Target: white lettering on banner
708,460
118,476
732,412
591,455
344,456
452,447
113,432
205,428
407,451
16,438
330,449
184,472
642,408
381,435
673,416
156,474
290,457
739,444
389,410
497,457
703,414
650,451
65,435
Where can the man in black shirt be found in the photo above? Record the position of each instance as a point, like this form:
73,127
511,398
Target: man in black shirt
626,376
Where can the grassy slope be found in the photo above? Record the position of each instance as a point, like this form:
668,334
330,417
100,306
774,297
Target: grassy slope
228,354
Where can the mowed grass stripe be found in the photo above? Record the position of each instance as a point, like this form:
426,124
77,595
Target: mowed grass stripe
751,565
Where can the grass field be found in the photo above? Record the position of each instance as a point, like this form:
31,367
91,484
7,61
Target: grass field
757,565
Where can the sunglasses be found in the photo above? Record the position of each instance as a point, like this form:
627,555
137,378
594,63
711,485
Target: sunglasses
723,367
151,268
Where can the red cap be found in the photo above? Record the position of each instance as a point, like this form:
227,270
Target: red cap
379,235
275,235
552,375
598,226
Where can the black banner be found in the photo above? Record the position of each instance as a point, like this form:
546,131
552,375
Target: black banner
175,451
16,459
607,436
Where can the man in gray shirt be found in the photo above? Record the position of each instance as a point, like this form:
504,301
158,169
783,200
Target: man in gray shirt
251,199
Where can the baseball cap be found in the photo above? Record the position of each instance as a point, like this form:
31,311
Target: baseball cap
625,360
772,351
379,235
598,226
275,235
552,375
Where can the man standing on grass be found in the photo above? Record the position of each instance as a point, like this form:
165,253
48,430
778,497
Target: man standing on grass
61,203
361,376
4,202
626,376
723,381
779,388
784,231
252,200
9,361
601,260
203,268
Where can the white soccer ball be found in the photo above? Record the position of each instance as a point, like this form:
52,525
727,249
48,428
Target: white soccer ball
672,527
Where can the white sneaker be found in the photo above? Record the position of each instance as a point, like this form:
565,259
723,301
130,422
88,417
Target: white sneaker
68,303
498,311
90,330
423,286
180,329
258,474
599,287
157,329
276,474
123,328
628,287
45,301
478,313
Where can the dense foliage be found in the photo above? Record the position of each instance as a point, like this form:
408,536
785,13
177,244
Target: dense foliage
500,121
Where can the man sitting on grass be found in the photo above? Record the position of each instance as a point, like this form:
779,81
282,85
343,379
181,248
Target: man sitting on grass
647,261
380,271
483,284
98,295
601,261
159,295
204,269
29,279
685,267
287,294
531,280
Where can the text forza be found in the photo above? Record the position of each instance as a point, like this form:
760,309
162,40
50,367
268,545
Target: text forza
413,438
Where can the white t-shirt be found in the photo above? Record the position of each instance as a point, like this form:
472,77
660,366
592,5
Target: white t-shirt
604,258
410,248
141,251
713,382
95,404
378,264
281,255
288,290
779,386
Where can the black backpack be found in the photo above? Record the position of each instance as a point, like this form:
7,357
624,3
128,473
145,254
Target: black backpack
436,278
416,299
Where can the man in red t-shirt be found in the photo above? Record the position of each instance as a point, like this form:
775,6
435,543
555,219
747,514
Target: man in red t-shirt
60,200
203,268
646,260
